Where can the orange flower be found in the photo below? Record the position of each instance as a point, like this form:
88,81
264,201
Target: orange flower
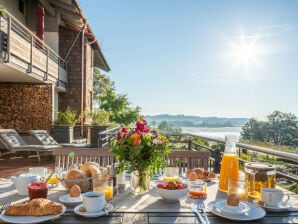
136,139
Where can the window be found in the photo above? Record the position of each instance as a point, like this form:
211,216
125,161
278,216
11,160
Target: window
22,6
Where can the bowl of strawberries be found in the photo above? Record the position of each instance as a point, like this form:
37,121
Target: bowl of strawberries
172,191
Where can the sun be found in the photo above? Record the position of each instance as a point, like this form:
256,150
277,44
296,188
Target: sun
245,52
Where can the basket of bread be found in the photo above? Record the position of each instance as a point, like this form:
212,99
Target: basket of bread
81,176
199,173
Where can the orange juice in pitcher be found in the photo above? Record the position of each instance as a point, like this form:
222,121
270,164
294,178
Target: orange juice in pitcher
229,163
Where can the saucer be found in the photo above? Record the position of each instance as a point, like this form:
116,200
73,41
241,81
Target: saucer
254,212
66,199
92,214
281,207
235,210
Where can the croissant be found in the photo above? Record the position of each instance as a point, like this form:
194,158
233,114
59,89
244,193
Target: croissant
36,207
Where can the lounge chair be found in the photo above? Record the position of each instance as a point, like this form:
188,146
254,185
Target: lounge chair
44,138
13,142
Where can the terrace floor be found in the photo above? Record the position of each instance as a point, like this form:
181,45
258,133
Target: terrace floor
14,165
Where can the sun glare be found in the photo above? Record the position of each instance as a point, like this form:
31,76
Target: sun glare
245,52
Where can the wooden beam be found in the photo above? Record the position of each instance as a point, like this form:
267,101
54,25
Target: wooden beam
66,6
68,13
47,6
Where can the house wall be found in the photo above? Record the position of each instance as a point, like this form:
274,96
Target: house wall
12,6
77,79
24,107
72,97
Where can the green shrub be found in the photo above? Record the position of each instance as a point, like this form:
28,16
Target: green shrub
68,117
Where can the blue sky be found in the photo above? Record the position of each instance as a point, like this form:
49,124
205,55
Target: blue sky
203,58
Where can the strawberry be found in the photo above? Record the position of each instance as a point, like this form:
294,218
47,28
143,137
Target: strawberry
160,185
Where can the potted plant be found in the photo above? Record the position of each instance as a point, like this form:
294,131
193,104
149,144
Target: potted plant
2,10
63,126
100,122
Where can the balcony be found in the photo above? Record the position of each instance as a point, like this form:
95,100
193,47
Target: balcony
26,59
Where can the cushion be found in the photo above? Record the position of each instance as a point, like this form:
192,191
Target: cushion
43,137
11,138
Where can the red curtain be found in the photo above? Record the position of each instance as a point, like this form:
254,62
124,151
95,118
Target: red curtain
40,22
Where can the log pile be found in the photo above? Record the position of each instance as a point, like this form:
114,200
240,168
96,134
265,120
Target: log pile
24,107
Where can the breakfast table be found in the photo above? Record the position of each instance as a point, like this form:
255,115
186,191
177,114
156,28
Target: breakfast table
150,208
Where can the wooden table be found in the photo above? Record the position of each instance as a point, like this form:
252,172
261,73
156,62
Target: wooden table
149,208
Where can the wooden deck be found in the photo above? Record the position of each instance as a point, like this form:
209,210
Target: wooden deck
13,165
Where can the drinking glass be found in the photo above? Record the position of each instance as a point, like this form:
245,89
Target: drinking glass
171,174
40,171
121,182
238,187
104,185
51,177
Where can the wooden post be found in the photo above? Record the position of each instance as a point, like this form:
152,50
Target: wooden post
217,160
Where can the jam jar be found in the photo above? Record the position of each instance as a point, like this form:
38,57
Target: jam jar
197,189
38,190
259,176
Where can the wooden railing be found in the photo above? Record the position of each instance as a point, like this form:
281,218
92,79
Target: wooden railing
180,142
23,48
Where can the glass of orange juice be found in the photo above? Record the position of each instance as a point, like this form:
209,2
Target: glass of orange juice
104,185
51,178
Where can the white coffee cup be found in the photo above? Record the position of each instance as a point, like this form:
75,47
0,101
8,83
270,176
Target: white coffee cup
94,201
273,197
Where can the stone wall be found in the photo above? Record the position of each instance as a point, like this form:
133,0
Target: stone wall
24,107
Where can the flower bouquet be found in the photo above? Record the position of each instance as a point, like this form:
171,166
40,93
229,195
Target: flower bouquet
140,151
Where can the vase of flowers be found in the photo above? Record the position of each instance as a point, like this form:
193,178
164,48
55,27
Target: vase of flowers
141,152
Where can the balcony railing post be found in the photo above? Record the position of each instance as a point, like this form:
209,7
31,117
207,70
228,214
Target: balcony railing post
47,66
8,39
29,70
189,143
217,160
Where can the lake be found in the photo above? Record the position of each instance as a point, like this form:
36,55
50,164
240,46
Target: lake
213,132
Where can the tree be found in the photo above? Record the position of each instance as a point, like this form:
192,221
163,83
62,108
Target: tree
166,127
282,128
107,99
254,130
101,83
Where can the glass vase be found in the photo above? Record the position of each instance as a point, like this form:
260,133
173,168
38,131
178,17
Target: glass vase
139,182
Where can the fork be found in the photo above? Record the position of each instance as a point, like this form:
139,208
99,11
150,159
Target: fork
194,208
4,205
201,206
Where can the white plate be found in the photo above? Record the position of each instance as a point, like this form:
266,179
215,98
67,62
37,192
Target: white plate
254,212
66,199
30,219
282,207
92,214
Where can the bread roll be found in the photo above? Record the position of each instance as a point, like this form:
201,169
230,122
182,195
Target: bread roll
192,176
74,175
188,171
94,171
211,175
35,207
86,167
199,171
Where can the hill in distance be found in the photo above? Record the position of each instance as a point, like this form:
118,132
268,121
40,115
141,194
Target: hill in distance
181,120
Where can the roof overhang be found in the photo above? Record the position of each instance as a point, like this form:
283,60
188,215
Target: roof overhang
71,15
